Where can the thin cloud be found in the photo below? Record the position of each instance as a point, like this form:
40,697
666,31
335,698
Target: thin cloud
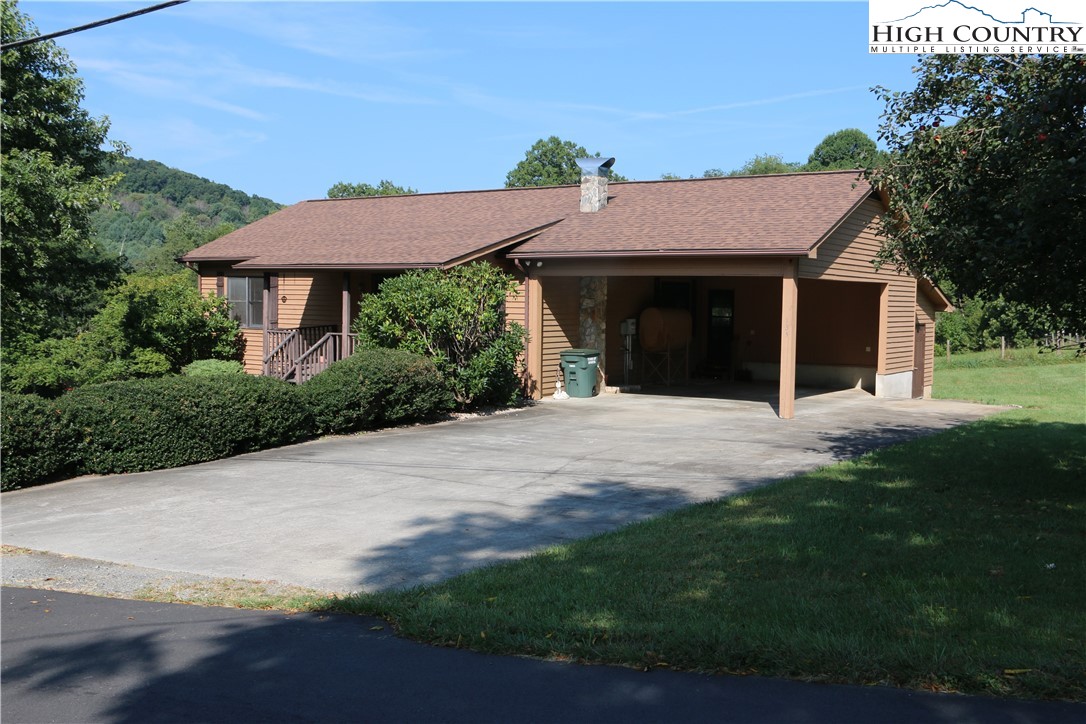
359,33
164,86
180,72
773,100
174,137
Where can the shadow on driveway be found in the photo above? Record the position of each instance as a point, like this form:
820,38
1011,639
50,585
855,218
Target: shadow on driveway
81,658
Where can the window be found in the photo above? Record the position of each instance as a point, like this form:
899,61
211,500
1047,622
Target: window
246,297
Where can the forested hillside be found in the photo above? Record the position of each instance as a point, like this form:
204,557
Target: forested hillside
163,212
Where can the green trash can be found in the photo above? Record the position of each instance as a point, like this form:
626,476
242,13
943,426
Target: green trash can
579,367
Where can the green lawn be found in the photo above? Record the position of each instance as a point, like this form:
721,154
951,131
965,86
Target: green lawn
955,562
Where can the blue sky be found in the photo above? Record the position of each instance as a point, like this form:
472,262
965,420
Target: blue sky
284,99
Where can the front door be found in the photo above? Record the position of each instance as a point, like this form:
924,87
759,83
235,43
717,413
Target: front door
719,338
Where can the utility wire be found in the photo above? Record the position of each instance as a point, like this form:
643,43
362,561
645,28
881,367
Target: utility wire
88,26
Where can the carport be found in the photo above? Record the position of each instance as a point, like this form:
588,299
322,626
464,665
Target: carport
780,293
737,320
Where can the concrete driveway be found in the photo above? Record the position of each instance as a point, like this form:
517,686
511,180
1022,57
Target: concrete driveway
418,504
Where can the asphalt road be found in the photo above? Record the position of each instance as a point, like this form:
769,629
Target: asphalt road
75,658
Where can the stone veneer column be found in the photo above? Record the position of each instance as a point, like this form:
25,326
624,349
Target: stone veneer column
594,315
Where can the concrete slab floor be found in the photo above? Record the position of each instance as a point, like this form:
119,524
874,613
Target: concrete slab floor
418,504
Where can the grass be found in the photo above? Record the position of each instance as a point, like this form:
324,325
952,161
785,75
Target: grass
235,593
951,563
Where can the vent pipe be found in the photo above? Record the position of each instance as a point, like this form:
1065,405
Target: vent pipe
594,173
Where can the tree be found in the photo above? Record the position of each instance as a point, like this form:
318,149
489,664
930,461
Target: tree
551,162
978,324
987,179
150,326
850,148
52,163
183,234
456,318
764,165
343,190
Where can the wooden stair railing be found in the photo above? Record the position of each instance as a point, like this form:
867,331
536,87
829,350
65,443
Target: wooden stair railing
332,347
287,345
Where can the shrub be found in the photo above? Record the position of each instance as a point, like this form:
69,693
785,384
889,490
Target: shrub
375,387
213,368
149,327
150,424
456,318
36,443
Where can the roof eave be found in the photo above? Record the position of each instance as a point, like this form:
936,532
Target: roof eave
257,264
557,254
935,294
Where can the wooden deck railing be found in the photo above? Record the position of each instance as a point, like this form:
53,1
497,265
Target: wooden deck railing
330,348
284,347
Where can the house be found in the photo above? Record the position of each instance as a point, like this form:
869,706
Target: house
749,277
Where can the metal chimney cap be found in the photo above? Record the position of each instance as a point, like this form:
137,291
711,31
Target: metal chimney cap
595,166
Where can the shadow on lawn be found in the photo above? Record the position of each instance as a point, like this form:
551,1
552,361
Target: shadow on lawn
156,663
854,443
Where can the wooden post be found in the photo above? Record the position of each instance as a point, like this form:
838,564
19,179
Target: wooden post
265,323
948,351
345,349
533,289
1002,348
789,318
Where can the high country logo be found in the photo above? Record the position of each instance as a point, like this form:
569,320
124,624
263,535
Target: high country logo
976,26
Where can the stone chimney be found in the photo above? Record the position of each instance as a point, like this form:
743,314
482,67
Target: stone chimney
594,172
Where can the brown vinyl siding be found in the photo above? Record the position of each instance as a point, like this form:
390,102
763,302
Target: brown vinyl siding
253,355
311,299
925,312
561,325
900,330
847,256
516,311
516,307
207,284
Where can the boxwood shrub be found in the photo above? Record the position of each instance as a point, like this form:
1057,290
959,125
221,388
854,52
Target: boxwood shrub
36,443
150,424
373,388
164,422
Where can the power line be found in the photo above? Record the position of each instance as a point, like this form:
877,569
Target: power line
88,26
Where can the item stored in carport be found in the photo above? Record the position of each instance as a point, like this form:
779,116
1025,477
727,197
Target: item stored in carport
580,368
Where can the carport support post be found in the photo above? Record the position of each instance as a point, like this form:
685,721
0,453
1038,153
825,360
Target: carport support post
789,317
534,301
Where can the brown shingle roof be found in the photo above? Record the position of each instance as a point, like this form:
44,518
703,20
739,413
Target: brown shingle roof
759,215
780,214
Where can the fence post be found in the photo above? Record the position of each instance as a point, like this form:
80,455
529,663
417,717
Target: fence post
948,351
1002,348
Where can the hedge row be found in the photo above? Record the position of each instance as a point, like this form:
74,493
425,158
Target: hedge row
149,424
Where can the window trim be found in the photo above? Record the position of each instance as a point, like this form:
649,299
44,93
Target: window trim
243,310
